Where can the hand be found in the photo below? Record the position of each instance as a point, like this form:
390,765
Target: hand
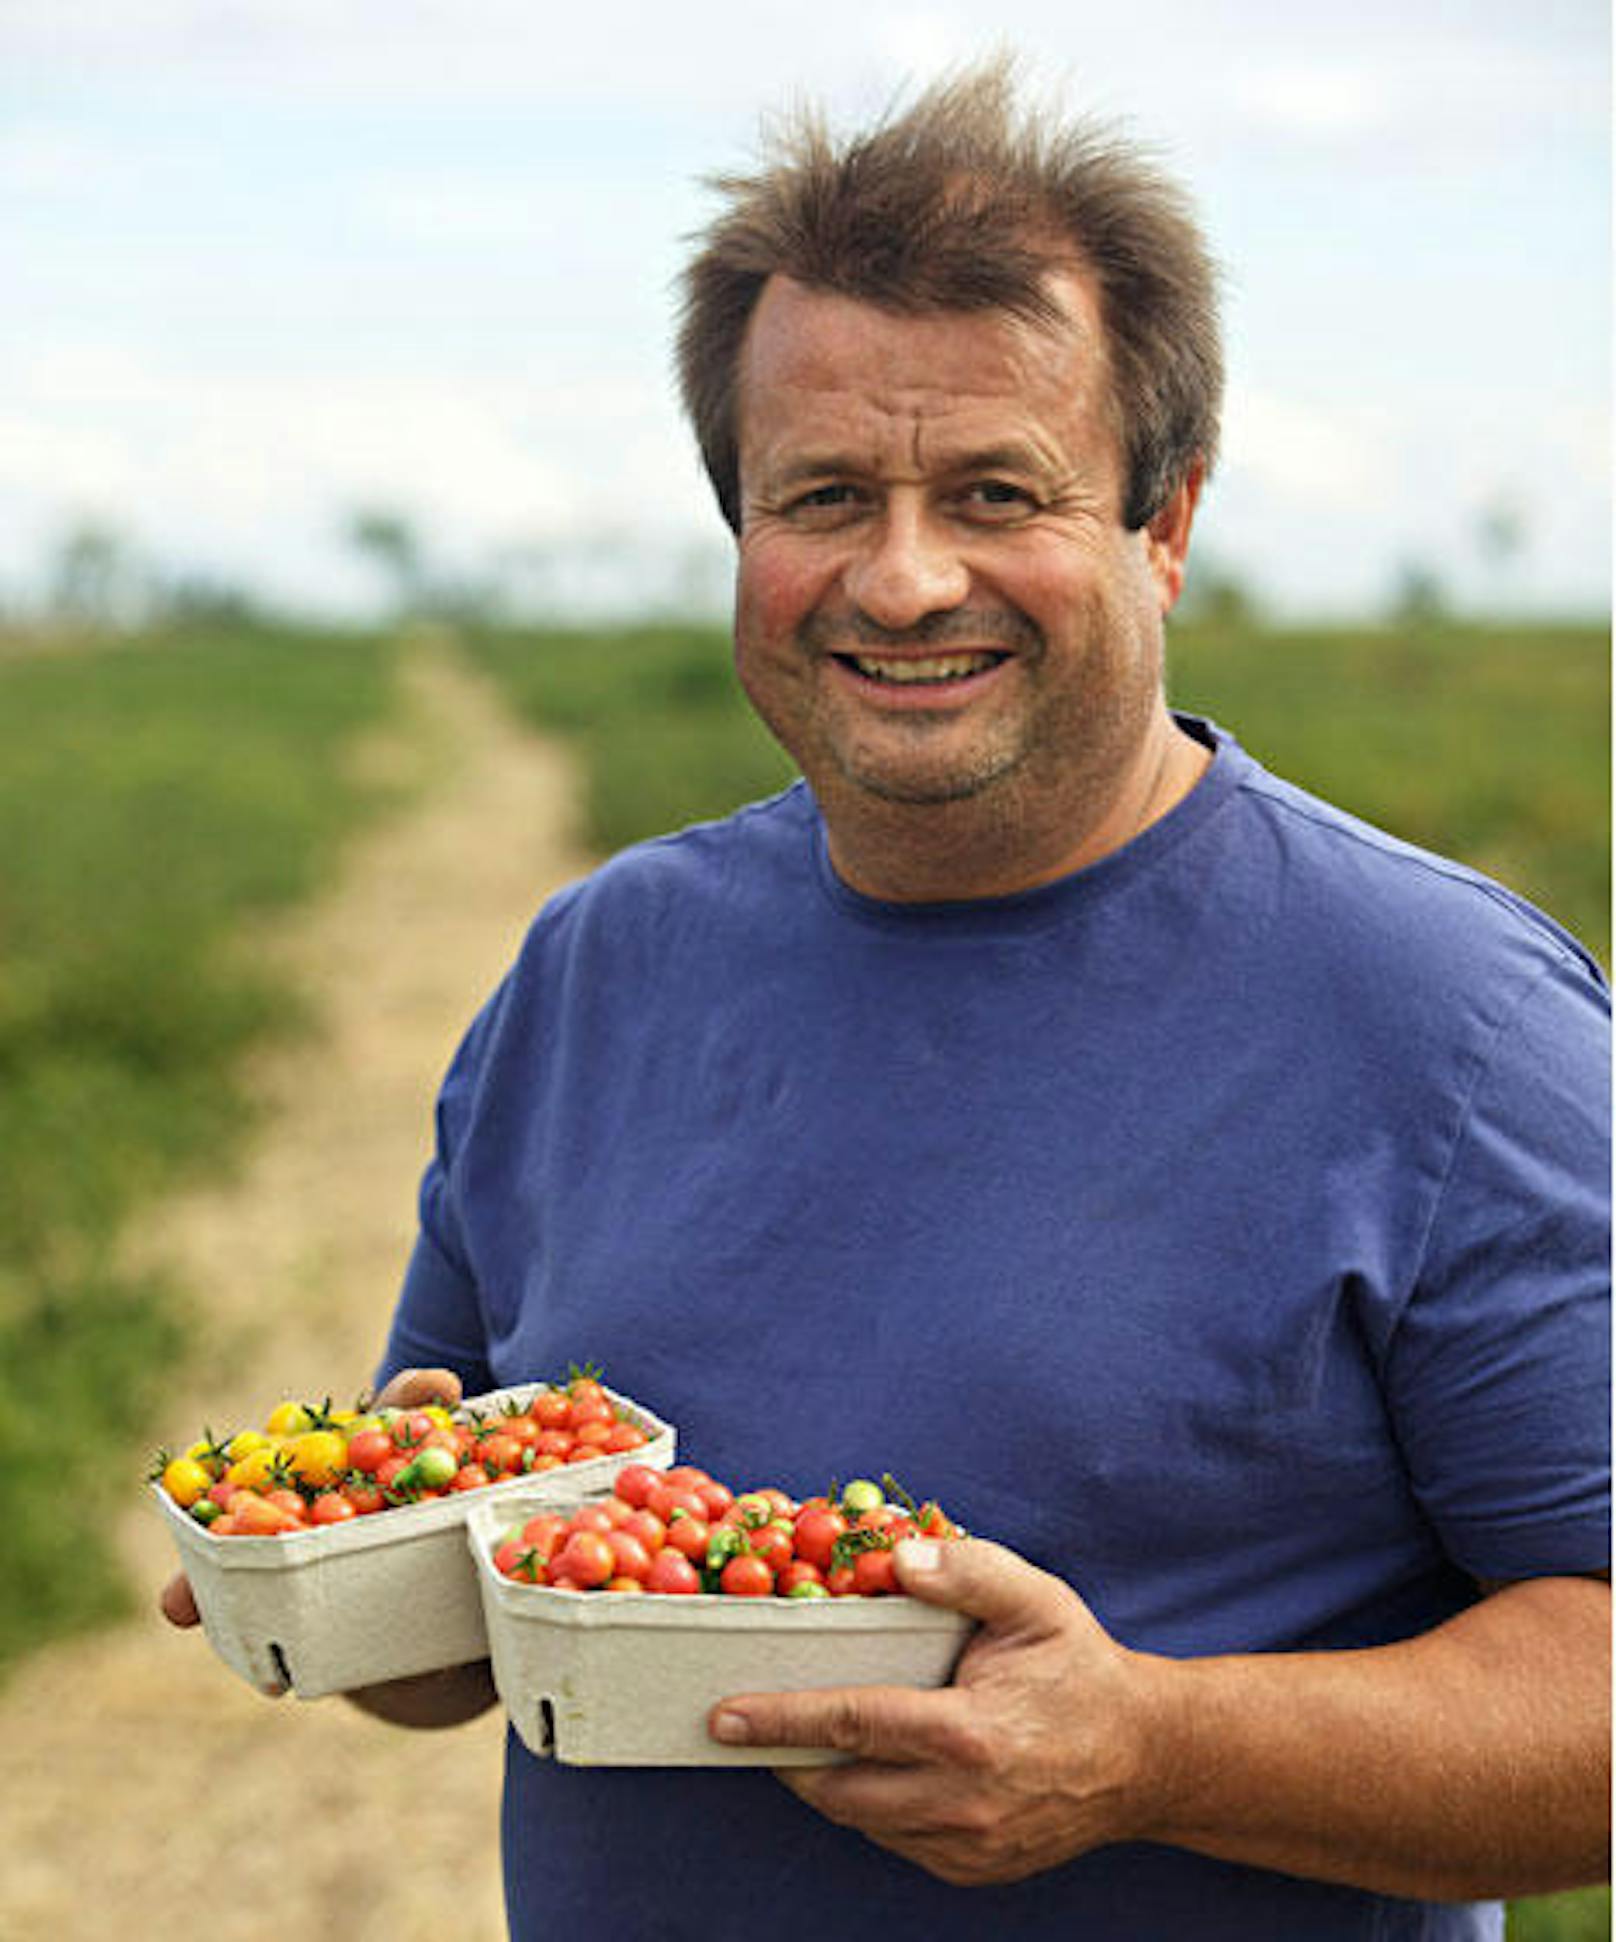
408,1389
1035,1754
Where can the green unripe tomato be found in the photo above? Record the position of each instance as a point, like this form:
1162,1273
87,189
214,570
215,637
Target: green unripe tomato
862,1495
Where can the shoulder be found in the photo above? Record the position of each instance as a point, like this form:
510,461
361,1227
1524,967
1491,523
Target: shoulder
689,874
1381,906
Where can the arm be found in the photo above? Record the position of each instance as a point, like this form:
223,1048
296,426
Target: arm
1468,1763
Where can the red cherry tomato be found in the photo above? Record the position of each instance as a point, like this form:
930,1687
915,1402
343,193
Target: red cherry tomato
746,1576
586,1558
635,1482
874,1574
672,1574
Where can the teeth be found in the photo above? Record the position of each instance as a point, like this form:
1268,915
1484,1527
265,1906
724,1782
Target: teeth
935,667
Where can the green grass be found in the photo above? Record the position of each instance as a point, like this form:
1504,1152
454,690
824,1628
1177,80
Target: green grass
1580,1917
154,795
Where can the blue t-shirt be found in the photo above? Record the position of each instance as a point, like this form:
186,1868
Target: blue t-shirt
1223,1227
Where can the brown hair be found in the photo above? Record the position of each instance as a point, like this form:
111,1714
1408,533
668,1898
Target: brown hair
965,202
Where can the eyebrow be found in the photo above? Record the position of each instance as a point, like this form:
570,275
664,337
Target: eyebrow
1015,456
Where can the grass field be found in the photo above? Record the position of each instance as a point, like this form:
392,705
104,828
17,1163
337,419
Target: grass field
154,795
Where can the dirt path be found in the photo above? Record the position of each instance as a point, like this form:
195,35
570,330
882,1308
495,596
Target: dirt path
149,1793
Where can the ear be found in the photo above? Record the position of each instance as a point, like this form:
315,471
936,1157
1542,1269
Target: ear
1167,537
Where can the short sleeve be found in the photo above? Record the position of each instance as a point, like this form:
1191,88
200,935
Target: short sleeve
1499,1374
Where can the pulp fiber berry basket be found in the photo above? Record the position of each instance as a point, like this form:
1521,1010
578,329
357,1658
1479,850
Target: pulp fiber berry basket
596,1678
380,1597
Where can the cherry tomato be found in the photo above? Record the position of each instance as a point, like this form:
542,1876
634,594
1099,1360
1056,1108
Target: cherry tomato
501,1454
672,1574
771,1543
815,1532
716,1496
544,1533
746,1576
592,1517
369,1449
586,1558
667,1498
185,1480
255,1516
633,1559
550,1409
516,1559
874,1574
411,1428
635,1482
689,1536
798,1572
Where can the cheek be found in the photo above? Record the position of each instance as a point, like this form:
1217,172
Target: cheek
776,588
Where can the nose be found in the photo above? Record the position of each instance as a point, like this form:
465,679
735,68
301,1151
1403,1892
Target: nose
906,567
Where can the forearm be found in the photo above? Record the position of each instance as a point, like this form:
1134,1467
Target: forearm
434,1699
1469,1763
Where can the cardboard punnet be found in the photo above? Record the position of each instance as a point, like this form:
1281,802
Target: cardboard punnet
608,1679
380,1597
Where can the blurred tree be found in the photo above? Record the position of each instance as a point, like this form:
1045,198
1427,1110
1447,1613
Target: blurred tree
1501,538
390,540
203,600
1419,596
95,578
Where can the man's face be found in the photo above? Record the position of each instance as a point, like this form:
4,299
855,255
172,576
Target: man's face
938,609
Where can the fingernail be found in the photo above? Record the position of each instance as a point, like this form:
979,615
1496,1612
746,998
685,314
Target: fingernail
918,1555
731,1729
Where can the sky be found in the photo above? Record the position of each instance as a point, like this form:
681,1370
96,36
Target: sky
267,263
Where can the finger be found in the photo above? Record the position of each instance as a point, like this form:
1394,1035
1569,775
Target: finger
986,1582
411,1388
889,1723
177,1602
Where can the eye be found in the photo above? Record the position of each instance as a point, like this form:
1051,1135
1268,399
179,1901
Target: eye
997,501
824,505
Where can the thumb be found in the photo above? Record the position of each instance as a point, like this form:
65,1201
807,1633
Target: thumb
410,1388
984,1581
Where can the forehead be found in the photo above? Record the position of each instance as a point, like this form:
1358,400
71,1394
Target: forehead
812,358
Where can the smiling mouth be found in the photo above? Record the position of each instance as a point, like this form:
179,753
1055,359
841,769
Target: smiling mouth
930,670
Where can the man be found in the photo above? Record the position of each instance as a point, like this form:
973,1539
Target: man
1201,1193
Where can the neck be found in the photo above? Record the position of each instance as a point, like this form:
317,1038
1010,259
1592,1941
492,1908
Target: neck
992,845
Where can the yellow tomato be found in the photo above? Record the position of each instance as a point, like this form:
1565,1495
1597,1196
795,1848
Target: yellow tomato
439,1415
288,1419
252,1471
244,1442
185,1479
210,1454
318,1456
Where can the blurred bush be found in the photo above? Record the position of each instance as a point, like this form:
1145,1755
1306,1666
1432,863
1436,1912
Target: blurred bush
155,793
